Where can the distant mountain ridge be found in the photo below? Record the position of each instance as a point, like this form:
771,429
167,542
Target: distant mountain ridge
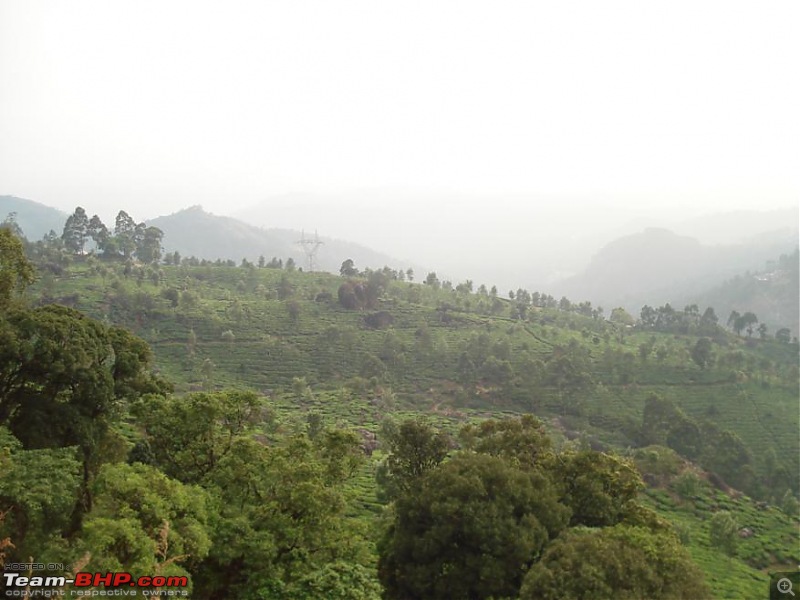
195,232
737,227
35,219
772,293
658,266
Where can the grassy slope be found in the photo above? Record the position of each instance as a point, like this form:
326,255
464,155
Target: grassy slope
327,345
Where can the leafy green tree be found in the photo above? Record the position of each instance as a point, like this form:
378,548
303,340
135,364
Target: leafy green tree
709,320
723,532
139,231
747,321
498,372
687,484
99,233
10,222
125,234
600,489
432,280
352,295
569,370
64,378
657,418
622,317
415,449
783,335
191,434
171,294
523,441
691,313
339,580
646,348
471,529
16,271
789,504
702,353
666,317
339,452
294,309
280,519
392,351
285,287
144,522
38,491
372,367
615,563
685,436
76,230
301,389
727,455
377,283
348,269
149,250
648,316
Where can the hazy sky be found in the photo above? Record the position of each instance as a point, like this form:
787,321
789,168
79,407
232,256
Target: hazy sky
158,105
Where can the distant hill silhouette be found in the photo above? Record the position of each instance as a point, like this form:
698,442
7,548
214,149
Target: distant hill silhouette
658,266
195,232
36,220
772,293
738,227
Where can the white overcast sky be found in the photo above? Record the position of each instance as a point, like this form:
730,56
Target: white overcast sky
157,105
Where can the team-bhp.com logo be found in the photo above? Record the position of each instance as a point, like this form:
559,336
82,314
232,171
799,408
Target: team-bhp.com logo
94,584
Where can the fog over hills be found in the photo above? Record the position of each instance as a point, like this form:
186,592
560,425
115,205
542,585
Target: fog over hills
504,239
533,241
658,266
738,226
34,218
195,232
612,255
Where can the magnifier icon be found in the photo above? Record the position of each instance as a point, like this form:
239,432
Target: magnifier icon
785,586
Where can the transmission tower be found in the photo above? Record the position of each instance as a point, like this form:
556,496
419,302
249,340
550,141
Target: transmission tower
310,247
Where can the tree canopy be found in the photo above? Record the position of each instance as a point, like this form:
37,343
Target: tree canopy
470,530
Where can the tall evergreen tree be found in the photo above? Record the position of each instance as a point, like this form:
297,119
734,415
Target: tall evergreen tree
76,230
124,231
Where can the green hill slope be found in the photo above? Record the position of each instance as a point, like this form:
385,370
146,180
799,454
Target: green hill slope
406,349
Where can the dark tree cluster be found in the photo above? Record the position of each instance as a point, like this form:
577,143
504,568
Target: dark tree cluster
689,320
360,294
507,516
715,449
129,239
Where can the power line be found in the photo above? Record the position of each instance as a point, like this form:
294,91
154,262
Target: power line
310,247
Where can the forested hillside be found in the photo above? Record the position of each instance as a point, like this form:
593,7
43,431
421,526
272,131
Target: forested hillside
271,433
772,292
